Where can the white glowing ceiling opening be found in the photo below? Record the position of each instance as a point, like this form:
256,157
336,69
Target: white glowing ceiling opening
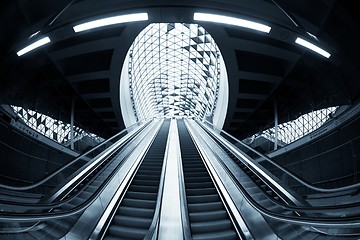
174,70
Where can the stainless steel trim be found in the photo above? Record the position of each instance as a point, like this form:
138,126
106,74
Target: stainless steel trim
170,225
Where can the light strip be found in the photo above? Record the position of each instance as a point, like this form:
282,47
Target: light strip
111,21
312,47
232,21
34,45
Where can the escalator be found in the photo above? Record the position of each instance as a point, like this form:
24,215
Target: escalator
77,194
133,217
287,218
207,214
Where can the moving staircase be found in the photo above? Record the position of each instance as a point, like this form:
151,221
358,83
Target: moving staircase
135,213
207,214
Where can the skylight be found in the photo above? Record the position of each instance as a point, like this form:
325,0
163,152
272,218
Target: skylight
174,71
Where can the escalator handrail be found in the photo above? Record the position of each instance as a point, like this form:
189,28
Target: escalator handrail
344,222
302,181
83,172
107,216
318,209
238,222
48,177
313,221
32,217
80,176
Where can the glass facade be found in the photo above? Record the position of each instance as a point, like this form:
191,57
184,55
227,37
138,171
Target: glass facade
174,70
293,130
51,128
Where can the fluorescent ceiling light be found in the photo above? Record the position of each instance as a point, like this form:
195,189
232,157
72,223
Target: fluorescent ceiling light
232,21
111,21
312,47
34,45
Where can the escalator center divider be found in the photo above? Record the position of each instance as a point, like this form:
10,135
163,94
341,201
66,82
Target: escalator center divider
207,214
135,213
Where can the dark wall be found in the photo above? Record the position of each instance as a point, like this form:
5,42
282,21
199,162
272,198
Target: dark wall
331,161
25,160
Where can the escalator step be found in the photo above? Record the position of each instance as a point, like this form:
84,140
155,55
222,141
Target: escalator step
149,172
207,216
211,226
127,232
203,198
137,222
140,203
210,206
136,212
197,179
223,235
139,188
144,182
196,174
147,177
199,185
201,191
141,195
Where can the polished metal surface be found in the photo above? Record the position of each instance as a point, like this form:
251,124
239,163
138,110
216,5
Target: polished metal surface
170,226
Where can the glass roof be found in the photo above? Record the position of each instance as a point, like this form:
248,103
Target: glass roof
174,70
52,128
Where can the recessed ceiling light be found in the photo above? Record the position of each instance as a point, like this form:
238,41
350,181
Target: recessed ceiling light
312,47
232,21
111,21
34,45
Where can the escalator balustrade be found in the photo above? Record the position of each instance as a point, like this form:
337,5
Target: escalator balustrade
135,213
207,214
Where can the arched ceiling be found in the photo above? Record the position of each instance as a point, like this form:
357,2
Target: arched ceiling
262,68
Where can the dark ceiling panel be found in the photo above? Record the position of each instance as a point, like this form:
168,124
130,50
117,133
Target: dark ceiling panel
100,103
89,62
247,103
81,38
259,38
256,87
93,86
107,115
254,62
241,115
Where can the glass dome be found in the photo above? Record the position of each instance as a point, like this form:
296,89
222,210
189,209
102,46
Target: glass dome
173,71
